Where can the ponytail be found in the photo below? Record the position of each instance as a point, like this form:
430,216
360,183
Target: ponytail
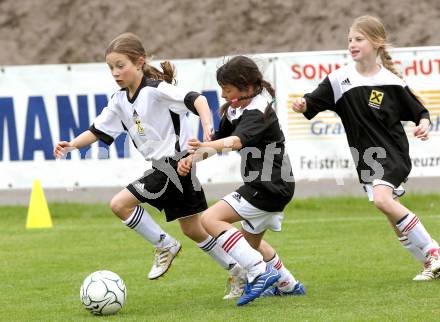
168,74
388,63
130,44
271,92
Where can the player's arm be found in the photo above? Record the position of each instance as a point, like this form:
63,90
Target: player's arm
202,107
203,150
421,131
299,105
321,99
181,101
84,139
412,109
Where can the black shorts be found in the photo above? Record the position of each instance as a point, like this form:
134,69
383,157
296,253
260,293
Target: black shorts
161,189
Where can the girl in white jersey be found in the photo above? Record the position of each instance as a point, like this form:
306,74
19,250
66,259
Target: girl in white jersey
154,113
250,125
372,99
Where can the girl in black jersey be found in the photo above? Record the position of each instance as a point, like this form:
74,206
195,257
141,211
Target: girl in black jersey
154,113
250,125
372,99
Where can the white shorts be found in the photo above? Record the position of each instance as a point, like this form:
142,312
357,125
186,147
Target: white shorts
397,192
255,220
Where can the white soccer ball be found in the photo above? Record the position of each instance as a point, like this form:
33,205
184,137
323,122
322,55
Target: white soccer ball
103,293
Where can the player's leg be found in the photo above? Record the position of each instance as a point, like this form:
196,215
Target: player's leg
425,273
254,223
191,202
126,206
408,224
192,227
287,284
217,221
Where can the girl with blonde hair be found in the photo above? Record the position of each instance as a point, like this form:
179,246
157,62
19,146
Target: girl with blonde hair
371,98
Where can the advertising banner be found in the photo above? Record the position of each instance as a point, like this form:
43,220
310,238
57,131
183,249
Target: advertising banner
41,105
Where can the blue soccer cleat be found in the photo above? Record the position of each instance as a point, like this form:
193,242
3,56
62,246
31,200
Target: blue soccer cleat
259,285
298,289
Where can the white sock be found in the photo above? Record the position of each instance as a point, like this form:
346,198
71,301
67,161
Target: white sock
238,248
144,225
415,251
236,270
411,227
286,281
213,249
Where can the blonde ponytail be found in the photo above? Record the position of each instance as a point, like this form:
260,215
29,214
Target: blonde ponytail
387,62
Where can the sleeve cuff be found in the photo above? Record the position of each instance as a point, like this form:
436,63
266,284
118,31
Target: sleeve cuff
189,100
107,139
425,115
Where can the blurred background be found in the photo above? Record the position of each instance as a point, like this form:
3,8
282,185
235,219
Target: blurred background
68,83
77,31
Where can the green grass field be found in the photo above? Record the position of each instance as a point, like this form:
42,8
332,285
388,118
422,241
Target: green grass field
342,249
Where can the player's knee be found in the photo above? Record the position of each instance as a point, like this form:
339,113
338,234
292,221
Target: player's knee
117,207
382,202
193,232
188,232
205,221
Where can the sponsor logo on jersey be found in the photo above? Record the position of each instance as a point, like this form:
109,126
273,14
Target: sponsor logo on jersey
346,82
376,98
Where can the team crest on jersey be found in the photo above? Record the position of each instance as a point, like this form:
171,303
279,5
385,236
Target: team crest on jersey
138,123
376,98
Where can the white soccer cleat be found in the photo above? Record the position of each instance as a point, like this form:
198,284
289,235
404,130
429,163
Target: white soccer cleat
434,260
235,284
426,274
163,258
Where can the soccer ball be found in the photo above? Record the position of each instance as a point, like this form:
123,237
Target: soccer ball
103,293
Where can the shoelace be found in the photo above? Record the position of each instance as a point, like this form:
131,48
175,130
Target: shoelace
160,254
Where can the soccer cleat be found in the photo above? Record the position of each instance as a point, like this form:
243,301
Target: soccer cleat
426,274
235,284
163,258
434,260
297,290
259,285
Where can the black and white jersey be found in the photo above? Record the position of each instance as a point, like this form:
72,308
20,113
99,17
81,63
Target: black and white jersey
155,118
265,169
371,110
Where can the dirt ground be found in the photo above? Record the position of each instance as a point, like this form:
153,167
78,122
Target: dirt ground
77,31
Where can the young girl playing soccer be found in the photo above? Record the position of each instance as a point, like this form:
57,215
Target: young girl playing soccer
154,113
250,125
372,99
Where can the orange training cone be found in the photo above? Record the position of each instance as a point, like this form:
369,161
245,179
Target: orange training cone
38,215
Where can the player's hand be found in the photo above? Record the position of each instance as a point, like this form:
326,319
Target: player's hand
184,166
207,132
61,149
193,145
299,105
421,131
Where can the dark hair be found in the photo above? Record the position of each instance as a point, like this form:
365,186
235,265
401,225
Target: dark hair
130,45
241,72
